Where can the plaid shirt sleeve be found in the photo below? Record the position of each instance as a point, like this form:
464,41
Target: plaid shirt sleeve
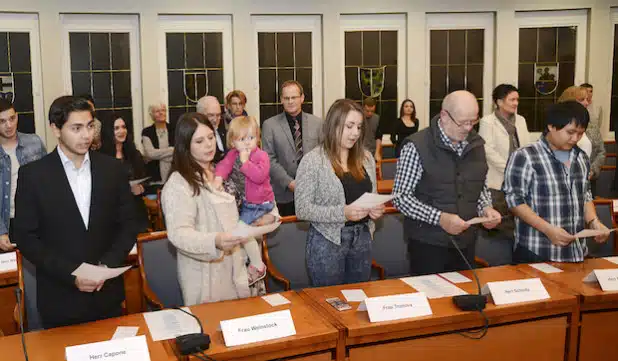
409,173
484,200
517,175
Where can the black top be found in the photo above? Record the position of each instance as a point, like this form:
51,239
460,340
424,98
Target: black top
290,119
353,189
400,132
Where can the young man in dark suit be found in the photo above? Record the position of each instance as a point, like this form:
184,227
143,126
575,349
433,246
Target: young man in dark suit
74,206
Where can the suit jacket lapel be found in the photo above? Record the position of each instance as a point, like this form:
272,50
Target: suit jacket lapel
285,127
64,189
95,190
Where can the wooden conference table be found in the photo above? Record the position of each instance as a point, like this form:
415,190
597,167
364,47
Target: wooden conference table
315,337
385,186
536,330
598,311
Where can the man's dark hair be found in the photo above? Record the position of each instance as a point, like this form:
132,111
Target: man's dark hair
5,105
562,114
369,102
62,107
88,97
587,86
502,91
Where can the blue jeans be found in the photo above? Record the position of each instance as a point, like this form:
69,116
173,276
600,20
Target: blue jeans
329,264
250,212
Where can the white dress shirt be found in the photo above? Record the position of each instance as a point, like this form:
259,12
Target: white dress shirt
80,180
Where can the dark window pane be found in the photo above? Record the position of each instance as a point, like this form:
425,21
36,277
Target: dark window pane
102,90
285,49
526,110
20,51
353,48
526,80
267,111
175,113
214,50
527,45
541,108
99,48
81,82
352,91
304,77
390,83
80,51
23,92
195,50
4,52
122,89
121,51
457,47
438,82
175,47
388,114
283,75
307,108
566,76
303,49
547,44
268,86
434,108
26,123
566,43
195,85
476,46
175,88
215,84
475,80
456,77
202,86
266,49
389,47
438,39
371,48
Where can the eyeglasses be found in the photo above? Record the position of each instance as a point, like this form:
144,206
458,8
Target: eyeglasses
469,123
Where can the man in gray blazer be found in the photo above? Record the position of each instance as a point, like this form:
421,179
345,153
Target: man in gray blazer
286,137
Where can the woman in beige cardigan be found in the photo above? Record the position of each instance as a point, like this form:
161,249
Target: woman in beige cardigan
211,263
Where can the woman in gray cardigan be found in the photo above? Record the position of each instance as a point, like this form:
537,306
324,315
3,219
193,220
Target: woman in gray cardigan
329,179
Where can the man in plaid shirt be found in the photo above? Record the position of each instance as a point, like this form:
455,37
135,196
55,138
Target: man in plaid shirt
547,188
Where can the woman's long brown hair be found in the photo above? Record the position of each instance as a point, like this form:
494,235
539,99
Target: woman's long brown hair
182,160
331,135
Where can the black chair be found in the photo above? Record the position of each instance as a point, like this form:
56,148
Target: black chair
604,187
388,168
158,271
389,247
26,273
606,216
610,147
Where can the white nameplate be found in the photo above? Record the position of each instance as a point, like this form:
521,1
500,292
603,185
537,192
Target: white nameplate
396,307
126,349
607,278
612,259
8,262
509,292
267,326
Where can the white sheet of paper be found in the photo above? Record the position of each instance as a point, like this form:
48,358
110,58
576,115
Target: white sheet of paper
433,286
8,262
509,292
354,295
98,273
125,349
275,299
138,181
477,220
124,332
168,324
133,250
267,326
371,200
244,230
545,268
612,259
591,233
396,307
455,277
607,278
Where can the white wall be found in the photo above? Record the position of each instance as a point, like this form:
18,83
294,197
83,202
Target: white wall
599,44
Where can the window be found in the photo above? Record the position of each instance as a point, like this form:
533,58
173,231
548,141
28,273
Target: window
460,58
551,58
102,60
196,53
20,72
288,48
373,62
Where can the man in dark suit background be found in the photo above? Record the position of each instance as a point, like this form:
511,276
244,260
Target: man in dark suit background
210,107
74,206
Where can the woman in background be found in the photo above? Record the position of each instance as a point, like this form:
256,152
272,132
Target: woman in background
235,102
404,126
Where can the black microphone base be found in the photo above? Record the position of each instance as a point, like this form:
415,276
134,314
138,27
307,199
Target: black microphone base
192,343
470,302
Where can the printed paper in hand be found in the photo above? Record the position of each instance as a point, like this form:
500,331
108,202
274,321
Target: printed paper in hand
371,200
244,230
546,268
98,273
8,262
433,286
354,295
124,332
275,299
138,181
168,324
591,233
455,277
477,220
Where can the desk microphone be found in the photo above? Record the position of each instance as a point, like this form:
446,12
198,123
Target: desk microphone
21,321
193,343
